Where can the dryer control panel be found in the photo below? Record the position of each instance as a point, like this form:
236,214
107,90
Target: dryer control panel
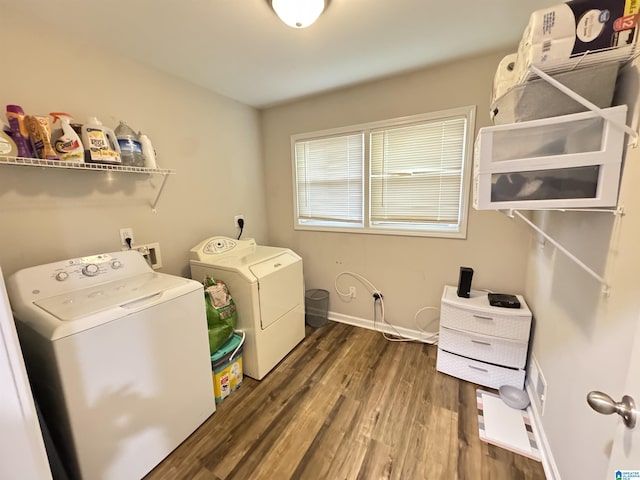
220,245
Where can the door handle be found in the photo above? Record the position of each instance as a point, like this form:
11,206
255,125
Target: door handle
603,403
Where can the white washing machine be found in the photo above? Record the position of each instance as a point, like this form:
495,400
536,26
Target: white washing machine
267,285
118,359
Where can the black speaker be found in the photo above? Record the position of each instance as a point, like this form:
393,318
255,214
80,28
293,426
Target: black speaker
464,283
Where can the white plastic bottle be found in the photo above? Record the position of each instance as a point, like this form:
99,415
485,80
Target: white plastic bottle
130,147
66,141
148,151
100,143
7,146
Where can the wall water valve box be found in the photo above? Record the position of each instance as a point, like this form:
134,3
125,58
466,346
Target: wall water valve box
569,161
226,366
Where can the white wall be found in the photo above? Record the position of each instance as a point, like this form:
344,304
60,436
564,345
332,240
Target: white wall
211,141
410,271
583,338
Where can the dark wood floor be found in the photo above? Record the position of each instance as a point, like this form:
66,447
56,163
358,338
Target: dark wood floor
347,404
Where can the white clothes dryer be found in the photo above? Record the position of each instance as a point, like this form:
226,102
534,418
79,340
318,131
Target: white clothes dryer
118,359
267,285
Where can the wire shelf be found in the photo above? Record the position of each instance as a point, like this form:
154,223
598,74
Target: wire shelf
36,162
104,167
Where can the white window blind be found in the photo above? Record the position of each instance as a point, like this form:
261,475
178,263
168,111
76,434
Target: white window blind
416,173
403,176
329,177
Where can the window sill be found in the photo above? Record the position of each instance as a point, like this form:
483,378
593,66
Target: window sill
443,233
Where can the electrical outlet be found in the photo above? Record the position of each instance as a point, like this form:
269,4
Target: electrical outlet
124,234
352,292
235,220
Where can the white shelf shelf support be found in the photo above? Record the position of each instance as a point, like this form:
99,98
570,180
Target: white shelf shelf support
586,103
605,286
103,167
155,202
614,211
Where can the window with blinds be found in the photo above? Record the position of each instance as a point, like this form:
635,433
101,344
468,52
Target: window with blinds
416,171
330,181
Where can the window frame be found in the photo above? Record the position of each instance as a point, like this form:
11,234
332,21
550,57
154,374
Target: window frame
426,230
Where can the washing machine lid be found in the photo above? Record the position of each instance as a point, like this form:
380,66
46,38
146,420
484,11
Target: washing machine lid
60,299
122,295
60,316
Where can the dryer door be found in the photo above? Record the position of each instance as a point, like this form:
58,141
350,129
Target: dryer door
280,286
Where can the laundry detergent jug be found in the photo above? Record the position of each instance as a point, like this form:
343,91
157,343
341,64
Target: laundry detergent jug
100,143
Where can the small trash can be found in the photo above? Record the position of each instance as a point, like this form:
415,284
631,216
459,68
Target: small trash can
316,304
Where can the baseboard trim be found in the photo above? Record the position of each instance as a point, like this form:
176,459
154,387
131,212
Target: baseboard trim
379,327
546,457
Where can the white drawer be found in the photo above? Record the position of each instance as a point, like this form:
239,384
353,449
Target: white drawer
477,372
496,350
504,325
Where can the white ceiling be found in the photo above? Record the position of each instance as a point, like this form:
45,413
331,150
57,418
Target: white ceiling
239,48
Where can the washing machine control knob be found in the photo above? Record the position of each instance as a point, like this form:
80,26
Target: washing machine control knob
116,264
62,276
91,270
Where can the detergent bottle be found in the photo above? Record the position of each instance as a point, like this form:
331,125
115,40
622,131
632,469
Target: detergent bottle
39,128
7,146
147,151
65,140
100,143
19,133
130,147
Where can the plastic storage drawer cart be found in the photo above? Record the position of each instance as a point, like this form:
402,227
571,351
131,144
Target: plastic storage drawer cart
571,161
480,343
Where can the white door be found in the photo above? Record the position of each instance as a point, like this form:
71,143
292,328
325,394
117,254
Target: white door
22,452
625,454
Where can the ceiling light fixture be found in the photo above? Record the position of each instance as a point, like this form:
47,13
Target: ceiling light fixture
298,13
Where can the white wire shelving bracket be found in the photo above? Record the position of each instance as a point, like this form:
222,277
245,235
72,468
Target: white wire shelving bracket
615,211
633,135
605,286
103,167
